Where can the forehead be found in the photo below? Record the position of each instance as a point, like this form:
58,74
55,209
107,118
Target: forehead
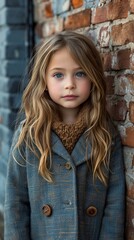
62,59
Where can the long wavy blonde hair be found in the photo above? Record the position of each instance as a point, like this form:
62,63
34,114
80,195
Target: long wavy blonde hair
39,109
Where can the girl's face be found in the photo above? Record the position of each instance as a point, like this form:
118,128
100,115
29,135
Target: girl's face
67,84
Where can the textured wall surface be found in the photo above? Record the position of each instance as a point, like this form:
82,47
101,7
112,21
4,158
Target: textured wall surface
13,60
110,23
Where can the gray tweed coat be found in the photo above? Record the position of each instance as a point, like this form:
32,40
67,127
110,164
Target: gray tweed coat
71,208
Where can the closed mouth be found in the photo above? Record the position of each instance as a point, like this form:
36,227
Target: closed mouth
69,96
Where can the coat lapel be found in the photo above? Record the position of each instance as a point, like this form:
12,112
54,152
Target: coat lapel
58,147
80,153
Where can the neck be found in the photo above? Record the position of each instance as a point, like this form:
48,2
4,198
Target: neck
69,116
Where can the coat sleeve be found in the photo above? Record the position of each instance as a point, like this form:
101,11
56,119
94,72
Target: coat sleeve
114,212
17,209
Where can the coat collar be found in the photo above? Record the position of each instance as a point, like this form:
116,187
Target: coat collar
80,153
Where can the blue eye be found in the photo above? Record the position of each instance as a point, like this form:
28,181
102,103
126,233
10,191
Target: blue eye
58,75
80,74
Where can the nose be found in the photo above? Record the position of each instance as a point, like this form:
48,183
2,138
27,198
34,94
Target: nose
70,83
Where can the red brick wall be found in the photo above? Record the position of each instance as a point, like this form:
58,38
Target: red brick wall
111,26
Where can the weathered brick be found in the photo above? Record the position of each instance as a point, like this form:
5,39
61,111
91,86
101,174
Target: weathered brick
133,162
116,9
107,61
77,3
48,12
78,20
129,219
110,84
129,232
132,6
99,15
121,85
60,6
128,137
38,30
123,33
104,36
128,158
48,28
121,59
124,84
91,3
131,111
39,13
130,185
59,24
132,60
130,205
131,83
93,35
117,108
102,2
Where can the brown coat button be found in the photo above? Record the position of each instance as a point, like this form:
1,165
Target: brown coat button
47,210
91,211
68,166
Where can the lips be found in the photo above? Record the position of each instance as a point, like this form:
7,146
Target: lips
70,97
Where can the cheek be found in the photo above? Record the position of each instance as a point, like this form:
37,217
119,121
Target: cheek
52,88
53,91
86,88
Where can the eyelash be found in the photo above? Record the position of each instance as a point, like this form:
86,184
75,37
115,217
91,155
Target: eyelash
56,75
83,74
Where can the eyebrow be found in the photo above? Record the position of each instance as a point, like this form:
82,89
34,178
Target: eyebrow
58,68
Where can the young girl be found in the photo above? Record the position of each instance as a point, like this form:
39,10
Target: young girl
65,174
